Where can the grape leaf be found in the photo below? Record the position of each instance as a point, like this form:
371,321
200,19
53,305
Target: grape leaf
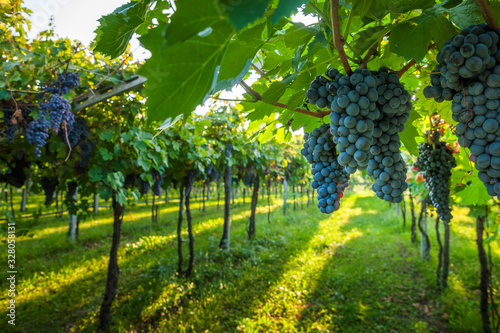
286,8
409,39
239,55
465,14
361,7
364,39
381,8
179,76
409,134
190,18
116,29
298,34
475,194
242,13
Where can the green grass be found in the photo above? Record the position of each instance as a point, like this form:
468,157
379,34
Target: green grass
354,271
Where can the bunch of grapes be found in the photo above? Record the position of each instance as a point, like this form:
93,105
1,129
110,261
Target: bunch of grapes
386,165
86,148
130,180
470,77
435,162
248,179
37,133
59,111
72,186
144,187
10,131
49,185
78,131
330,179
354,110
158,182
65,83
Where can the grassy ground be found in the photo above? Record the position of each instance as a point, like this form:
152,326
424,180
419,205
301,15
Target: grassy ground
354,271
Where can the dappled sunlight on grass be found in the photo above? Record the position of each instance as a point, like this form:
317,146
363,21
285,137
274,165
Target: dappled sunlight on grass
353,271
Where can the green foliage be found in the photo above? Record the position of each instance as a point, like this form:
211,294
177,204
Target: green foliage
123,23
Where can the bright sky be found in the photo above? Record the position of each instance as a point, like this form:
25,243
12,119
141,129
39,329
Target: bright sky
75,19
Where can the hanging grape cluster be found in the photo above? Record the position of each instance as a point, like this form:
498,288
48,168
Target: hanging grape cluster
330,179
37,133
369,110
54,113
468,74
435,162
158,181
49,185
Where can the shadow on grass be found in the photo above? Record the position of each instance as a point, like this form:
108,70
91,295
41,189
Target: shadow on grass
59,308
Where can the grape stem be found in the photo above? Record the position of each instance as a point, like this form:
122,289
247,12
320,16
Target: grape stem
261,73
258,96
338,40
486,12
371,52
413,62
406,67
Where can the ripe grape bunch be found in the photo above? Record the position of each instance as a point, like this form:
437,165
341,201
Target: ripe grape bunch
37,133
353,111
158,181
468,74
330,179
435,162
49,185
386,165
369,109
59,111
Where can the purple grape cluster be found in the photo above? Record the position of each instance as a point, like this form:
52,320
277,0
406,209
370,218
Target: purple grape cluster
86,147
37,133
158,181
59,111
78,131
11,128
64,83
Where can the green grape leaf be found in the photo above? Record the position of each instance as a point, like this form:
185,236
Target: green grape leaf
409,134
298,34
475,194
239,56
381,8
191,18
465,14
116,29
361,7
409,39
242,13
180,76
286,8
364,39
